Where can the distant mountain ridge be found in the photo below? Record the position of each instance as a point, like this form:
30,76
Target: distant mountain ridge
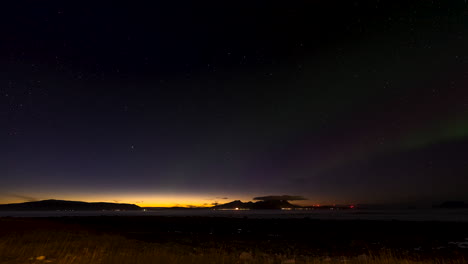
61,205
269,204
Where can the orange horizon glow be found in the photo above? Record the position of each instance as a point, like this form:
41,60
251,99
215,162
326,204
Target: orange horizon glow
168,200
157,203
145,204
144,200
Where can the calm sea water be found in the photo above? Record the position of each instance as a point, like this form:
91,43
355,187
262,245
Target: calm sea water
458,215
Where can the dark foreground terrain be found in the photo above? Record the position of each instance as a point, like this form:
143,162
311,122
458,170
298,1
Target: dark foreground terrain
149,239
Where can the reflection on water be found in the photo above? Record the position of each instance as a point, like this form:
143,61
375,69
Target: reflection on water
459,215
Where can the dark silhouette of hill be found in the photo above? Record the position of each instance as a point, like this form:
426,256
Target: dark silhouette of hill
273,204
54,205
269,204
233,205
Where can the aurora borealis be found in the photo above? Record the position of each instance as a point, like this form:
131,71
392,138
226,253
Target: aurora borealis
191,103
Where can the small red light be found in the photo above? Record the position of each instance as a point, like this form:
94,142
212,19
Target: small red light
351,206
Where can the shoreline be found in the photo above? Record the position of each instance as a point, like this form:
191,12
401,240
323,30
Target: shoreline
418,215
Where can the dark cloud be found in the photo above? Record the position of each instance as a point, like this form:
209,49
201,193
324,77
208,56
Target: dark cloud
280,197
24,197
217,198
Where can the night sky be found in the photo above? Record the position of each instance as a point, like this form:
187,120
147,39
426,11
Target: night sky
195,102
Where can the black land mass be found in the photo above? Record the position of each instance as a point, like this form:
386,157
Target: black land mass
269,204
54,205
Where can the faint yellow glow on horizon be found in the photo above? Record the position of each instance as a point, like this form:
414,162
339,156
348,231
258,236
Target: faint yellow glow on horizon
155,203
144,199
147,200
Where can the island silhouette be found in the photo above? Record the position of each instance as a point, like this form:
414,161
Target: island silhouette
264,202
61,205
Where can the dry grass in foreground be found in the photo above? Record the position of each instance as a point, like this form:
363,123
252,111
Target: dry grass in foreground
83,248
